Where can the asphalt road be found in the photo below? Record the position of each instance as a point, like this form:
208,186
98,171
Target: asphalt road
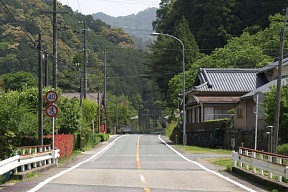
134,163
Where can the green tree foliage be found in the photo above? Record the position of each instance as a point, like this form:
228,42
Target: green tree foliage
18,51
118,37
16,81
270,110
19,117
215,22
70,119
120,110
167,55
246,51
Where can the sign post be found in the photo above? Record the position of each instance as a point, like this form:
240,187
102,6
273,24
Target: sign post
52,110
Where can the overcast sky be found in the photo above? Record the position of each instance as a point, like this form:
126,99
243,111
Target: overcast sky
110,7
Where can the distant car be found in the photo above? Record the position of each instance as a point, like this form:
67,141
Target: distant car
126,130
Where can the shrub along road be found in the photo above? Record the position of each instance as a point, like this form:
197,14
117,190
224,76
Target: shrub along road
134,163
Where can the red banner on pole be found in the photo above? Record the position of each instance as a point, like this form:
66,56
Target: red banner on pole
103,128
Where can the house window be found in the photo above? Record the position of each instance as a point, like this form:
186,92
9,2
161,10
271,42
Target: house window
221,112
239,113
197,115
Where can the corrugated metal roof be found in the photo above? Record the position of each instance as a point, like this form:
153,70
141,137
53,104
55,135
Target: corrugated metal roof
229,80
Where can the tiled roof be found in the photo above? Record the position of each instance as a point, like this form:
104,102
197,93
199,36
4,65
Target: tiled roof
228,80
272,65
265,88
89,96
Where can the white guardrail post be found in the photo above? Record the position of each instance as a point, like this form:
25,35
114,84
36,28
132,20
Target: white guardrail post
267,163
30,157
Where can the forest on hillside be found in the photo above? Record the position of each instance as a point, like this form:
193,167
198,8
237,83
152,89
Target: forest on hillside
216,34
230,33
22,21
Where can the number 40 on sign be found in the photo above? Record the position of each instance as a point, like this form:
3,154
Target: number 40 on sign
51,96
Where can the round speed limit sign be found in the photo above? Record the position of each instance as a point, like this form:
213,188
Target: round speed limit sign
51,96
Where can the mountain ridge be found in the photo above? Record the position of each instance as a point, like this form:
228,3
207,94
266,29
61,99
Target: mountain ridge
137,25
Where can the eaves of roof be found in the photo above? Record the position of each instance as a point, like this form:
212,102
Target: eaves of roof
272,66
265,88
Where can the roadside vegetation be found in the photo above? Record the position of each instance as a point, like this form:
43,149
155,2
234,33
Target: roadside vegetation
201,150
224,161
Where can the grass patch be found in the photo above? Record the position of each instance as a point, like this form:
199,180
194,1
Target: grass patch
222,161
32,175
226,162
199,150
65,160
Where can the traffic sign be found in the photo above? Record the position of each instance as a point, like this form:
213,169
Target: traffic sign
51,110
259,96
261,111
51,96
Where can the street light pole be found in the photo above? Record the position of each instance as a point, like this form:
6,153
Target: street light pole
183,81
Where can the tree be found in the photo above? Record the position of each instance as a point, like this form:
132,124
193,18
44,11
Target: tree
245,51
167,56
120,110
16,81
214,22
269,105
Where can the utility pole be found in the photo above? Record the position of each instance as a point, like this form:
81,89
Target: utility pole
99,111
105,75
40,101
55,67
55,47
279,80
85,58
46,70
105,83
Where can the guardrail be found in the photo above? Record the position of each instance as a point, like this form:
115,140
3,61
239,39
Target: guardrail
267,164
29,157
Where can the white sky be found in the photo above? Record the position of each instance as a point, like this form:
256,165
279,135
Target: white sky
110,7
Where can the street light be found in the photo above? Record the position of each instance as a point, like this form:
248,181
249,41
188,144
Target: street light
183,81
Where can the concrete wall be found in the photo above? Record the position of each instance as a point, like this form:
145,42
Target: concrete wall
222,138
248,121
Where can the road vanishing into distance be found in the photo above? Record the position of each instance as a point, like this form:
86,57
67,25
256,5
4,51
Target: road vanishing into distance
132,163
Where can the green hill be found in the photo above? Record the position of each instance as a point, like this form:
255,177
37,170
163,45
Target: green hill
137,25
21,22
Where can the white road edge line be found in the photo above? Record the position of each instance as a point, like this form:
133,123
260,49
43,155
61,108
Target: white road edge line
45,182
206,169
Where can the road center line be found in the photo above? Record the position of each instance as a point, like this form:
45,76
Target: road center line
206,169
142,178
138,153
147,189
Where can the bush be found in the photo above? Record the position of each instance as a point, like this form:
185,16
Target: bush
170,128
283,149
103,136
86,141
224,123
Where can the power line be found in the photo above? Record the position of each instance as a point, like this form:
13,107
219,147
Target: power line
79,6
139,2
26,33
